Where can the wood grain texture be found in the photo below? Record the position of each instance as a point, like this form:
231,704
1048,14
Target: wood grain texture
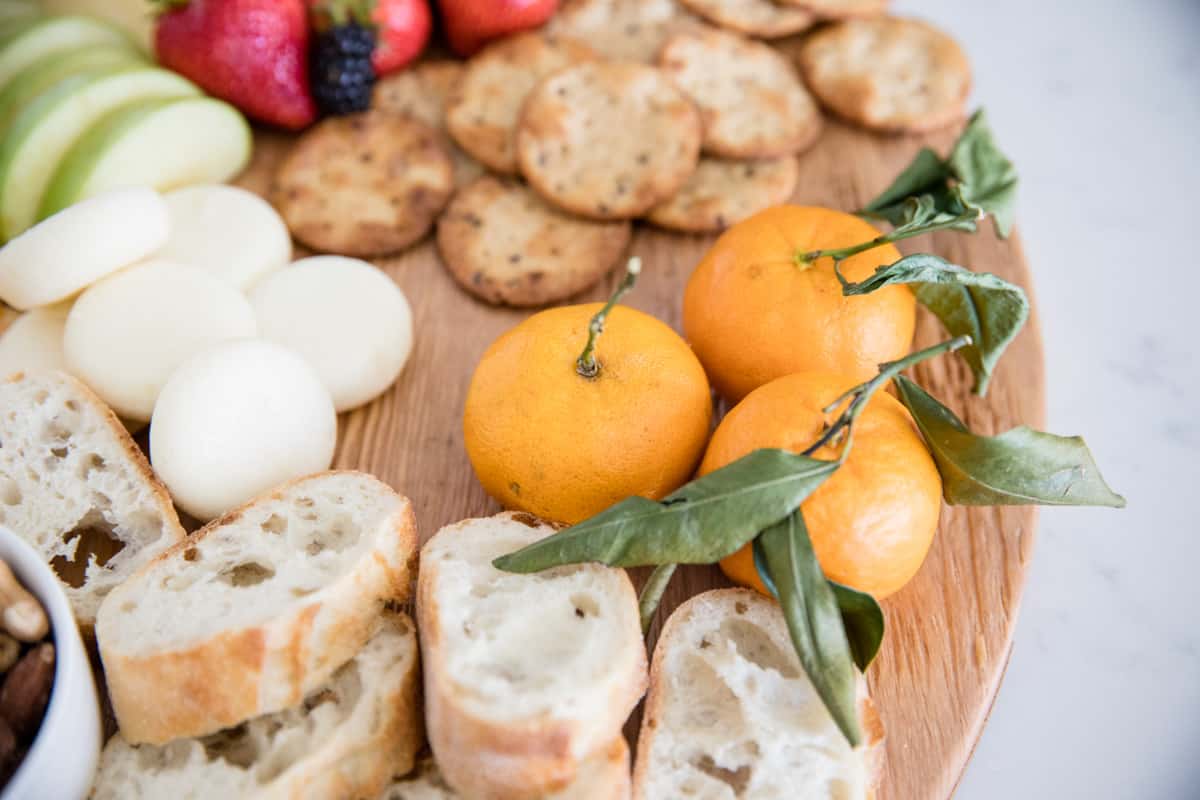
949,631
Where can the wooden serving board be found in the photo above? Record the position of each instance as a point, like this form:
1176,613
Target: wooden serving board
949,632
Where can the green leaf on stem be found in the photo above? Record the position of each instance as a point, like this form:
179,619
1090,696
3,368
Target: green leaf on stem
861,615
784,555
925,175
1019,467
926,213
701,523
863,619
986,178
934,193
718,514
977,304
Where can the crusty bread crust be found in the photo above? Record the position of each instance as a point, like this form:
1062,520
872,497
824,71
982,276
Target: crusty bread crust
83,601
652,713
137,459
377,739
244,673
363,766
530,758
602,776
873,729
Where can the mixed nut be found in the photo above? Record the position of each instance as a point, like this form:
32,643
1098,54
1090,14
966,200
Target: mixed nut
27,669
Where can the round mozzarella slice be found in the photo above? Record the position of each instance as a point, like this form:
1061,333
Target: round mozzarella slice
228,231
237,420
34,341
345,317
69,251
126,334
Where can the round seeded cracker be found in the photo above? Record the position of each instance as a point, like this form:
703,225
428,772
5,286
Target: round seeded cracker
505,245
608,140
484,107
363,185
764,18
841,9
888,74
723,193
753,103
622,30
421,92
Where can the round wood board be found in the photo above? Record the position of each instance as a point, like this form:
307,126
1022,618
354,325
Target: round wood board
949,631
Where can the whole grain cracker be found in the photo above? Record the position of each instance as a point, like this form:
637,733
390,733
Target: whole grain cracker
841,9
753,103
505,245
608,140
621,30
888,74
421,92
484,107
722,193
764,18
363,185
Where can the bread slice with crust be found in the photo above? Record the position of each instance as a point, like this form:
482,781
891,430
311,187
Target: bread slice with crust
526,675
256,609
348,738
75,486
731,713
602,776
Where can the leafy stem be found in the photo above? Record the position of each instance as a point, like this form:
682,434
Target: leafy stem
917,228
860,395
977,304
587,365
974,181
652,593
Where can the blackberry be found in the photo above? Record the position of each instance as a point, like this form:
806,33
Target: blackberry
340,70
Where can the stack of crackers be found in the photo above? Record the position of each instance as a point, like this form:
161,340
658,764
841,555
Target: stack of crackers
534,157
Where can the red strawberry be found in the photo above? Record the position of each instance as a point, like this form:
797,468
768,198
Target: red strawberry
253,53
403,29
470,24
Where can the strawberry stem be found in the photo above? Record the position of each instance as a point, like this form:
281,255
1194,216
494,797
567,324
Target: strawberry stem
342,12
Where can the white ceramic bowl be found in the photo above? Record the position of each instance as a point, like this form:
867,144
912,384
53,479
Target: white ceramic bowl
62,761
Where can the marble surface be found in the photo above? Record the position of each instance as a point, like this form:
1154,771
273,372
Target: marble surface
1099,106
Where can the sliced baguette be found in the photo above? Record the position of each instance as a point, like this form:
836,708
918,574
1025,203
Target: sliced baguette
77,488
349,738
256,609
526,674
602,776
731,713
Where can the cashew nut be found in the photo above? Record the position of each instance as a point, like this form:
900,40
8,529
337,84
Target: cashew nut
20,612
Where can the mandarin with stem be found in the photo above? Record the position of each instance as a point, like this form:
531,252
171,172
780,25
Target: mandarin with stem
563,422
872,522
755,309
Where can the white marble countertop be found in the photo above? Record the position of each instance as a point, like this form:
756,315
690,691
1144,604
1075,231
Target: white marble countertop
1099,106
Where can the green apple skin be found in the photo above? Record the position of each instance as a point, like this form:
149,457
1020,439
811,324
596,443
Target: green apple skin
30,41
162,143
136,17
46,129
45,73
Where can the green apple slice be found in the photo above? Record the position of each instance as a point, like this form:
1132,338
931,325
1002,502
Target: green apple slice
47,128
18,10
164,144
32,41
137,17
43,74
